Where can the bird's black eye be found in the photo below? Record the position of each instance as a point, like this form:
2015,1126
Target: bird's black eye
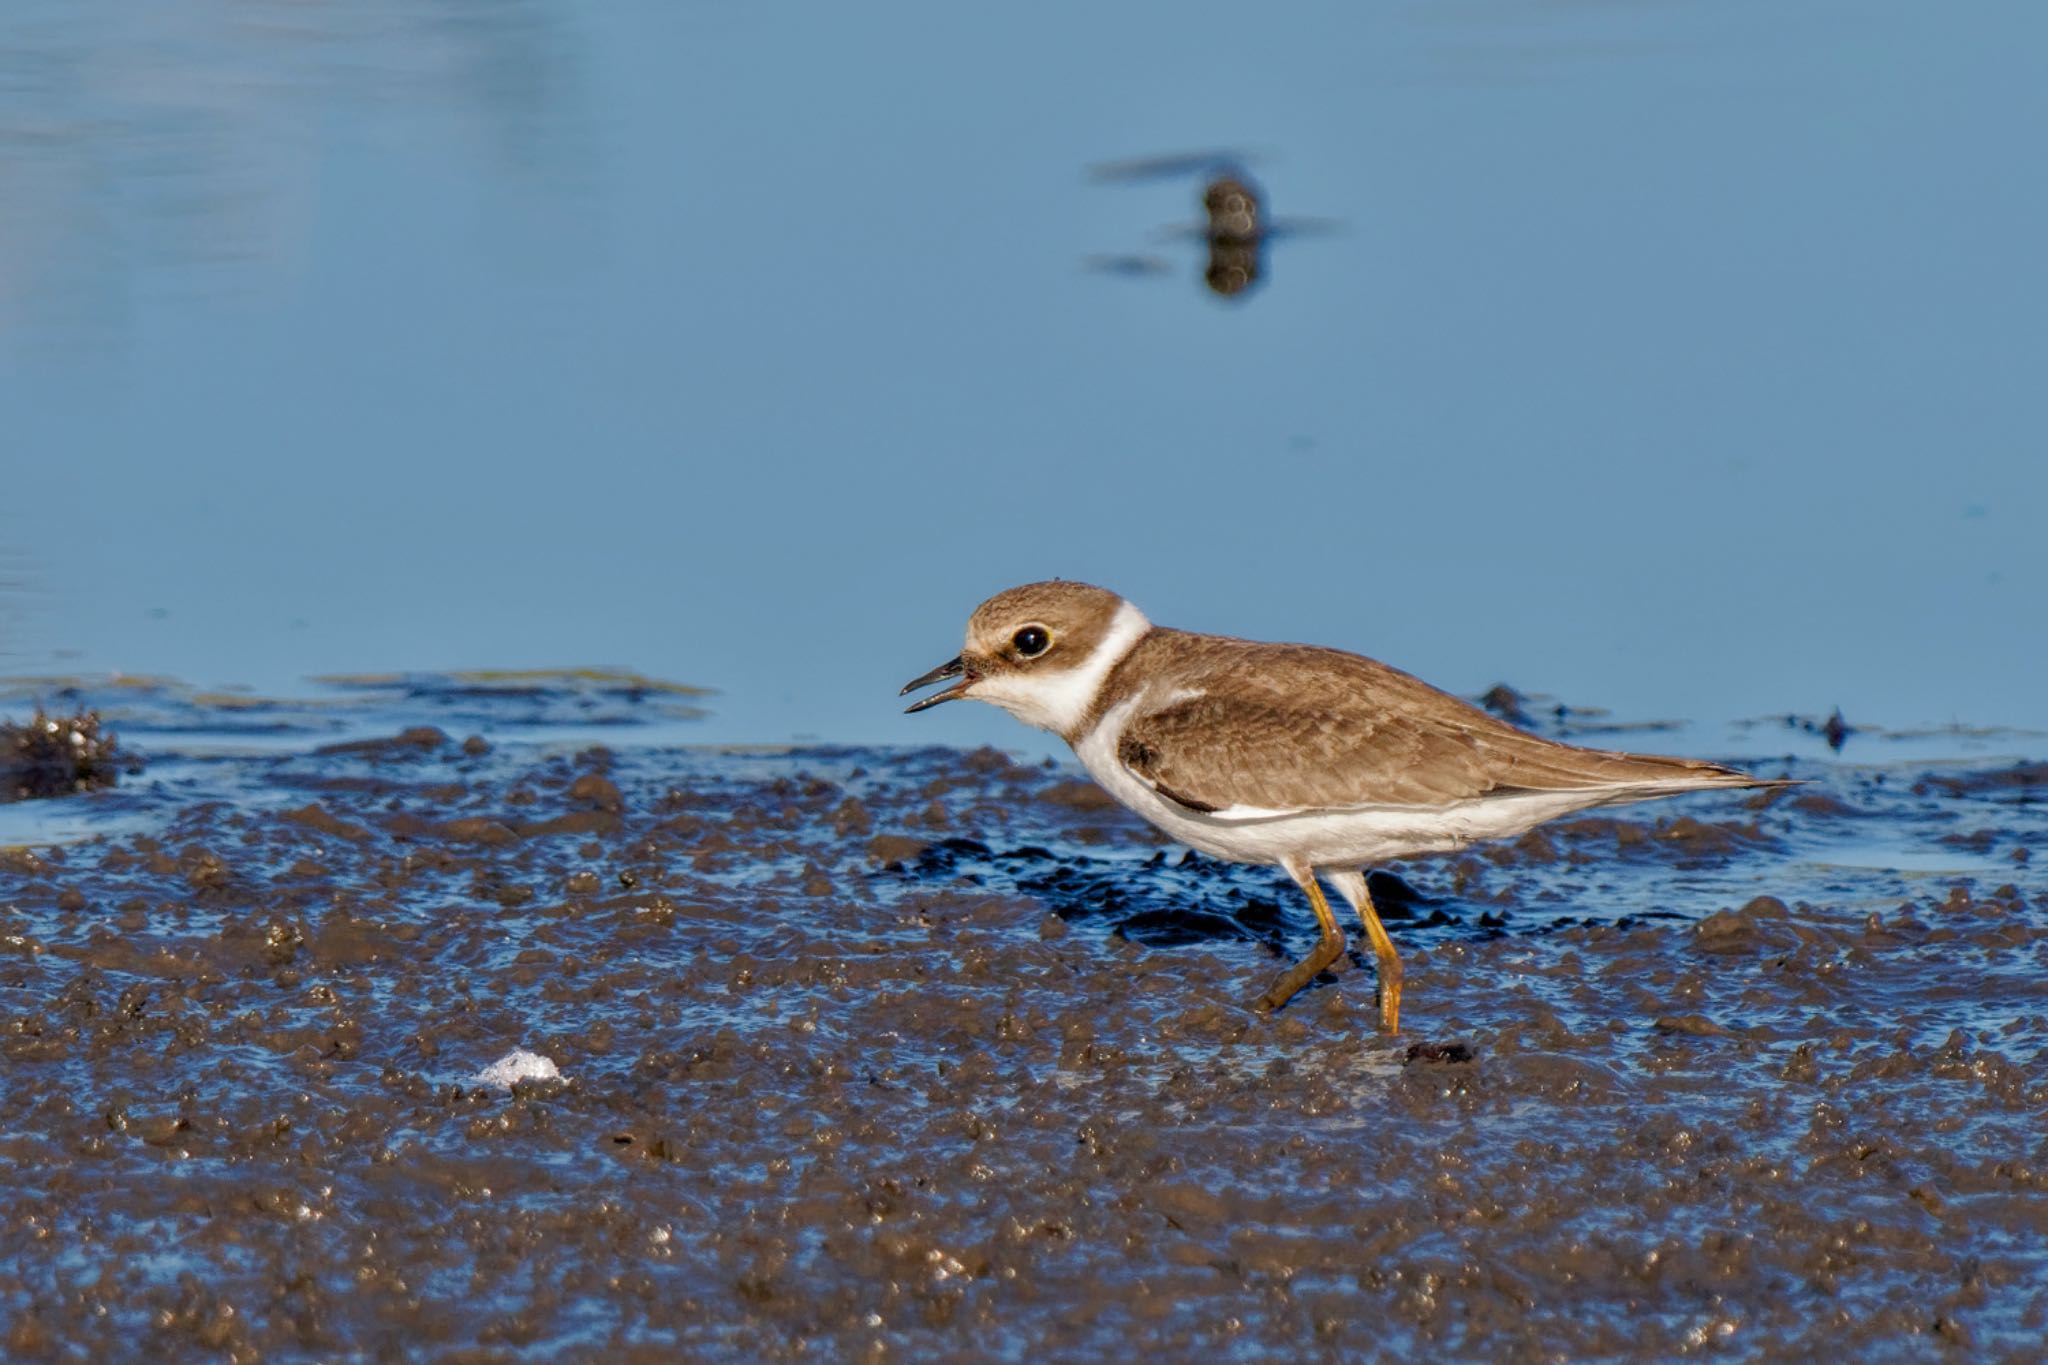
1031,641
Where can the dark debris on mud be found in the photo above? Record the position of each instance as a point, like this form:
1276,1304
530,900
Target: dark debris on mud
58,755
871,1053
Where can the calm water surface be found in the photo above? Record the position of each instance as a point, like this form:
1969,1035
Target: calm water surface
1680,358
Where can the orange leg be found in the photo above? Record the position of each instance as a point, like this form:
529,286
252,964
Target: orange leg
1352,885
1328,948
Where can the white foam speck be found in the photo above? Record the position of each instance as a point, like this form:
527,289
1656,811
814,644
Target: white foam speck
517,1065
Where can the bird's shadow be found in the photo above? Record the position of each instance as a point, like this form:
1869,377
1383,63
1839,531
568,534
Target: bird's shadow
1178,898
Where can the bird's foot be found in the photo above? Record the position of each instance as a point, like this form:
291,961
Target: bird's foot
1290,982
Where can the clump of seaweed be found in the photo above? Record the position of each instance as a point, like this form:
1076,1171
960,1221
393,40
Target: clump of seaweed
56,756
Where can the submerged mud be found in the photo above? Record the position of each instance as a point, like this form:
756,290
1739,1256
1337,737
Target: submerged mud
874,1053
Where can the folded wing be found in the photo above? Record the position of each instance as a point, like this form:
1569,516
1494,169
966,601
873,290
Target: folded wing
1325,730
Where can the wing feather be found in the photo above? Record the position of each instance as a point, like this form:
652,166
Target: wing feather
1301,729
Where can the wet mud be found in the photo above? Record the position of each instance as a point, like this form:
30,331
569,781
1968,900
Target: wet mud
877,1053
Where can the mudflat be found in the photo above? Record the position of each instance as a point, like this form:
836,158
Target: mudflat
934,1053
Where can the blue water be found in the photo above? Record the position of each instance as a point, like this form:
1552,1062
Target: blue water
1682,359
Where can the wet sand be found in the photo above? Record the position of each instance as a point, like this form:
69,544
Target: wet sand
930,1054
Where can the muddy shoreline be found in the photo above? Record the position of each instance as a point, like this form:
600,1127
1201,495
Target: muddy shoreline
923,1052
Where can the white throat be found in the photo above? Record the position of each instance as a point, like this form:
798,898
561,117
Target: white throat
1058,701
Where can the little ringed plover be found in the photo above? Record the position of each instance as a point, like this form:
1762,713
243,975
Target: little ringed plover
1316,760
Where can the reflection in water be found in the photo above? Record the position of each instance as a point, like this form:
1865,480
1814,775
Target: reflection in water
1236,237
145,142
1131,266
1236,233
1835,730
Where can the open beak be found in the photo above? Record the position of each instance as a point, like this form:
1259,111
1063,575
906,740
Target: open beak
952,668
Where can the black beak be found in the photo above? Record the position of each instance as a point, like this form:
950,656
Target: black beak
952,668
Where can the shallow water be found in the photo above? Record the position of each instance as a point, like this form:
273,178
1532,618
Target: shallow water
898,1050
1679,357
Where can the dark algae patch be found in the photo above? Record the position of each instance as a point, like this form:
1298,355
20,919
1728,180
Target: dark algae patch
921,1053
57,756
